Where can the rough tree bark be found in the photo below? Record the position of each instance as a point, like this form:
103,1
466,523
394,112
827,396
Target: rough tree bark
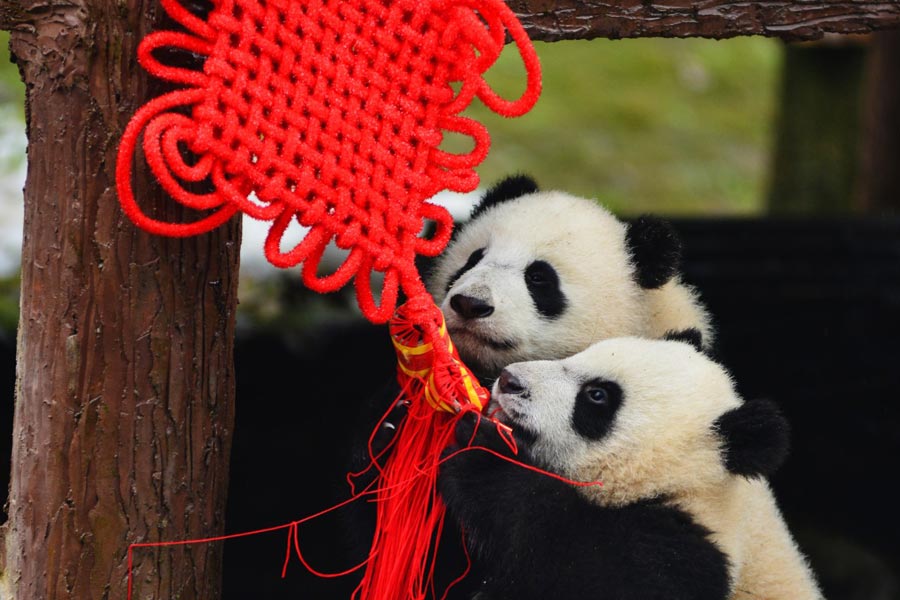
125,384
552,20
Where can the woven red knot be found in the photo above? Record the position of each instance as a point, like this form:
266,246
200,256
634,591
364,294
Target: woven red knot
330,113
425,353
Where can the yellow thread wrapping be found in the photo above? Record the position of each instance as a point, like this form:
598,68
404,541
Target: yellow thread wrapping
426,374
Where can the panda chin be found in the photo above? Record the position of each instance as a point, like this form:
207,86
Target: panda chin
481,339
495,411
509,417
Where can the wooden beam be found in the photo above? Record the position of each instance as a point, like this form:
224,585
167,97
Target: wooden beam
554,20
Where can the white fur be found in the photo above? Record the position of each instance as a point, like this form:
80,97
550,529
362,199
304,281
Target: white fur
586,246
662,443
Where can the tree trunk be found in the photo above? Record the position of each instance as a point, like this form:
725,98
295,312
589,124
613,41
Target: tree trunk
553,20
125,382
880,185
815,166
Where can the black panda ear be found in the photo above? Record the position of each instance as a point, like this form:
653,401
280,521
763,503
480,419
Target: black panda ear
690,336
755,438
508,189
655,249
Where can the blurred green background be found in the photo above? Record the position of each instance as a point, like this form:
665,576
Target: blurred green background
663,125
679,126
673,126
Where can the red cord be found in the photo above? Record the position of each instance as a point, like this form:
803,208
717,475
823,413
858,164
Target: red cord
329,112
293,539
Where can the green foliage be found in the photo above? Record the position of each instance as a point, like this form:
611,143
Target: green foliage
12,90
674,126
12,113
9,304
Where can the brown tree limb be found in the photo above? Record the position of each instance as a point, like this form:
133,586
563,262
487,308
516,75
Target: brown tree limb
125,375
879,190
11,14
553,20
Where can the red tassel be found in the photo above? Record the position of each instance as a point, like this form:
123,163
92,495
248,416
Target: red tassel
410,514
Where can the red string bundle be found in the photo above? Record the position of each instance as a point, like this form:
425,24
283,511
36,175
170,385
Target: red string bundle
410,515
331,113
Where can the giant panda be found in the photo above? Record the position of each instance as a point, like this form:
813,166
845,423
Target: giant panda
540,275
537,275
684,510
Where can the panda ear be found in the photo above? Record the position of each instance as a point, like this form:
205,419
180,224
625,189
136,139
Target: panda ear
510,188
655,249
691,336
755,438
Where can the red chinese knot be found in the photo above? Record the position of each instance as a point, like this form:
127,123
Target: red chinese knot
330,112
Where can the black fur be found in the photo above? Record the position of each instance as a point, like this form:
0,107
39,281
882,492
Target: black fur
655,249
358,519
690,336
543,286
755,438
593,417
510,188
538,538
473,260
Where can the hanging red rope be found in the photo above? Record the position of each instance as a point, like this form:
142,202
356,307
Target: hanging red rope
331,113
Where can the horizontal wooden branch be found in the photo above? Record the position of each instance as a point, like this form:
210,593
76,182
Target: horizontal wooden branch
553,20
11,14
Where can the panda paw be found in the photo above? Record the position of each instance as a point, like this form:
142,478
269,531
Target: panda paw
387,429
466,427
473,429
465,474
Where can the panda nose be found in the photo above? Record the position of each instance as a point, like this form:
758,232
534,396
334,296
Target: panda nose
470,308
509,384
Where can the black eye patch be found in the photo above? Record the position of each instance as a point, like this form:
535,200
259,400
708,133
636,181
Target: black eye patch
596,406
543,286
473,260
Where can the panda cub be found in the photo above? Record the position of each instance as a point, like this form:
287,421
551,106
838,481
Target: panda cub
542,275
538,275
684,510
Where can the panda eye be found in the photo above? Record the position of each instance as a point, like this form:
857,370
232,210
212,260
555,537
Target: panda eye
540,274
473,260
596,406
597,395
601,393
544,288
537,278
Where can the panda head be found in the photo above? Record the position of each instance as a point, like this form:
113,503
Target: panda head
542,275
648,418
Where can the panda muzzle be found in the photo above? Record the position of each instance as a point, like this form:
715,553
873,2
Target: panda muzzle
508,383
